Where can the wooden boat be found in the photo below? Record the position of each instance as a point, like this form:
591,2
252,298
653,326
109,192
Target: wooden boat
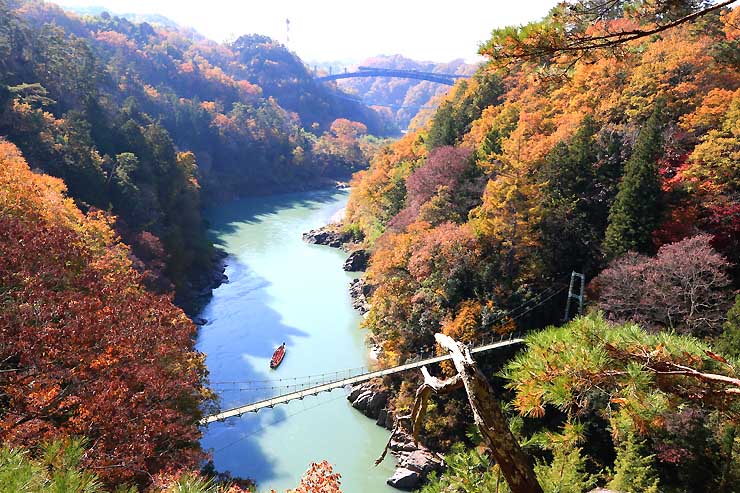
277,356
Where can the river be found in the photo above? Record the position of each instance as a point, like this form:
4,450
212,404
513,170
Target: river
281,289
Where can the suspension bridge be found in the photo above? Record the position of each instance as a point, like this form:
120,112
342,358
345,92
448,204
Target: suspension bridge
345,378
315,384
446,79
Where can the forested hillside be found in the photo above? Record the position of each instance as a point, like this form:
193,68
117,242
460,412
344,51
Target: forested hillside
86,350
146,121
576,149
403,99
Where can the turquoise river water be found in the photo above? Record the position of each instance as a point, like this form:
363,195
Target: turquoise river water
281,289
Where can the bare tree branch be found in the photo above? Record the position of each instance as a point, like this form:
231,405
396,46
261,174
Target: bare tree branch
513,462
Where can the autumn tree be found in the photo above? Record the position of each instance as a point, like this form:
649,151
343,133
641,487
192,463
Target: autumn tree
444,188
636,211
586,29
319,478
684,288
85,349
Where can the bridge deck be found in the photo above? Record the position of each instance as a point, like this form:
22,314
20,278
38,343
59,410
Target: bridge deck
447,79
282,399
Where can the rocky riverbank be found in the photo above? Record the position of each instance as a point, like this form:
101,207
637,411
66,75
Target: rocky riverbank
333,236
357,260
329,235
360,292
415,462
199,289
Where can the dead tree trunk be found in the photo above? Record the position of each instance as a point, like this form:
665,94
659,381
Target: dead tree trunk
514,463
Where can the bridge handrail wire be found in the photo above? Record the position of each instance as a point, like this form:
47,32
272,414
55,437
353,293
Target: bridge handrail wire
408,363
274,400
303,377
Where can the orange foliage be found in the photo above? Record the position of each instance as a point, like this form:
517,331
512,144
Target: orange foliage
732,24
319,478
466,322
85,350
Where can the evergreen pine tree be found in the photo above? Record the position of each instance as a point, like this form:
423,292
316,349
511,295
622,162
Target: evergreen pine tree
571,202
567,472
636,212
634,472
729,342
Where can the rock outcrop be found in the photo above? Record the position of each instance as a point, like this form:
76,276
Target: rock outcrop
415,462
405,479
357,261
360,291
369,398
198,291
329,235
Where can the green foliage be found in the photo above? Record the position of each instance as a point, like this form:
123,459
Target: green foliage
574,218
33,94
56,469
472,471
637,210
669,395
729,342
634,470
588,358
453,118
566,473
468,471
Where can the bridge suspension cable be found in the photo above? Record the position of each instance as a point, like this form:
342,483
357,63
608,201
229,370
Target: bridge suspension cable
309,380
301,394
344,377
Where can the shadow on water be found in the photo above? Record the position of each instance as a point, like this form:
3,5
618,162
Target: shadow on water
281,289
251,210
242,333
239,340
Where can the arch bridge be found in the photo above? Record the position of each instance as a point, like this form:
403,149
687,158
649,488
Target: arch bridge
446,79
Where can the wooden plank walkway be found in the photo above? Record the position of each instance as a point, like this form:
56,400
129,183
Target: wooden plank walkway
300,394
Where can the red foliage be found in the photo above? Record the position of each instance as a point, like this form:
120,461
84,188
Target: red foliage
84,349
443,168
684,287
722,219
319,478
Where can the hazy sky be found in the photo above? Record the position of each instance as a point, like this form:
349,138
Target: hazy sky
336,30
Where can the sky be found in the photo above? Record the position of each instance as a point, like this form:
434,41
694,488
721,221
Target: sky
329,30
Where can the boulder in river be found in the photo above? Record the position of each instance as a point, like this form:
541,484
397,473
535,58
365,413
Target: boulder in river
357,261
422,460
329,235
415,461
405,479
369,398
